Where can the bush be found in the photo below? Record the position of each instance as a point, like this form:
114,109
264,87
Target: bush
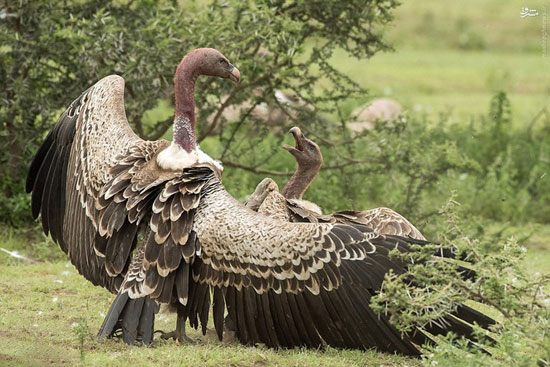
499,172
516,299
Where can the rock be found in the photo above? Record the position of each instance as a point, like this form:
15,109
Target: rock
380,109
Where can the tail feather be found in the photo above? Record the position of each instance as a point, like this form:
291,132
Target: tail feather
147,321
460,323
108,327
132,319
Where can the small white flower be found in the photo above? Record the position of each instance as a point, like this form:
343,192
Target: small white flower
74,324
54,299
39,313
523,249
35,325
58,281
65,272
102,314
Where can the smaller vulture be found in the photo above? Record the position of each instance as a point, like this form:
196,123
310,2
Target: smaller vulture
289,205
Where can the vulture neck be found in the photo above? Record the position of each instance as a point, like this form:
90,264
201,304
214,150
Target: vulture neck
300,181
184,118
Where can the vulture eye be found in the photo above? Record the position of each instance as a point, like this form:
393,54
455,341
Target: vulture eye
222,61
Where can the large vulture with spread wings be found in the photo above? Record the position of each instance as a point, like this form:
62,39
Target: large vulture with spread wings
152,222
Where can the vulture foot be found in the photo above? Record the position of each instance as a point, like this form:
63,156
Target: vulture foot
182,338
178,334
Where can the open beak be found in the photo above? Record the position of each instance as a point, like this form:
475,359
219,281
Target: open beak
235,74
298,137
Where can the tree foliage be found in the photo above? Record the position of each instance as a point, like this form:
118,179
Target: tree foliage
51,51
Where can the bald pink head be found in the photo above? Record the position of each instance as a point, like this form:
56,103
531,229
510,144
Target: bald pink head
207,61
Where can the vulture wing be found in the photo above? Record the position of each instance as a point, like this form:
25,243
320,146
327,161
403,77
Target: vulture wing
382,220
68,172
291,284
360,276
98,187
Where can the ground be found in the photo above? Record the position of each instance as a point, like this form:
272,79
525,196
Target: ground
44,304
48,308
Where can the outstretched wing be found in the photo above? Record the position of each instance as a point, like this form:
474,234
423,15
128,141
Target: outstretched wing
290,284
298,284
70,169
382,220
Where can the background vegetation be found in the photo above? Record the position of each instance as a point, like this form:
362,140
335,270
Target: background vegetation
476,128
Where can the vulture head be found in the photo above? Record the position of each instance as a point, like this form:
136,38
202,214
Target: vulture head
202,61
210,62
307,153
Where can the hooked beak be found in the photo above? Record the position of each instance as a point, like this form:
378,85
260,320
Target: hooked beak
298,137
234,73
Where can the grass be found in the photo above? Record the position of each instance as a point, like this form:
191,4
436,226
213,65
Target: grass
43,302
453,56
456,82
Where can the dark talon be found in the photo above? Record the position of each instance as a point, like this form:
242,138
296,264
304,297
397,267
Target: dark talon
178,334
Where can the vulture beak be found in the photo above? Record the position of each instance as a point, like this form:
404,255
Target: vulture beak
234,73
298,138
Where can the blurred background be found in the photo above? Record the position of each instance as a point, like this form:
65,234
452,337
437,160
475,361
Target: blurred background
451,58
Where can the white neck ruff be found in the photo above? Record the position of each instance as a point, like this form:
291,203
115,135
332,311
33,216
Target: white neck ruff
175,158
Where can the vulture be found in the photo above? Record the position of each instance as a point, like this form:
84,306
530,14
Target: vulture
152,222
289,205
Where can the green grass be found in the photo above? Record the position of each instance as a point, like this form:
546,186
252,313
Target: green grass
42,302
458,24
455,82
438,68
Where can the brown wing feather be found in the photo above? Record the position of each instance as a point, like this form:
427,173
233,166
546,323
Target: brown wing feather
285,283
97,186
382,220
300,284
70,167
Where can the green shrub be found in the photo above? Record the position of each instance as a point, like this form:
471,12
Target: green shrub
515,298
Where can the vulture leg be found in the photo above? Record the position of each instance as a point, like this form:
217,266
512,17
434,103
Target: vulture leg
178,334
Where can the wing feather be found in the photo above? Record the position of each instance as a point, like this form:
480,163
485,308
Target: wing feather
302,284
72,163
